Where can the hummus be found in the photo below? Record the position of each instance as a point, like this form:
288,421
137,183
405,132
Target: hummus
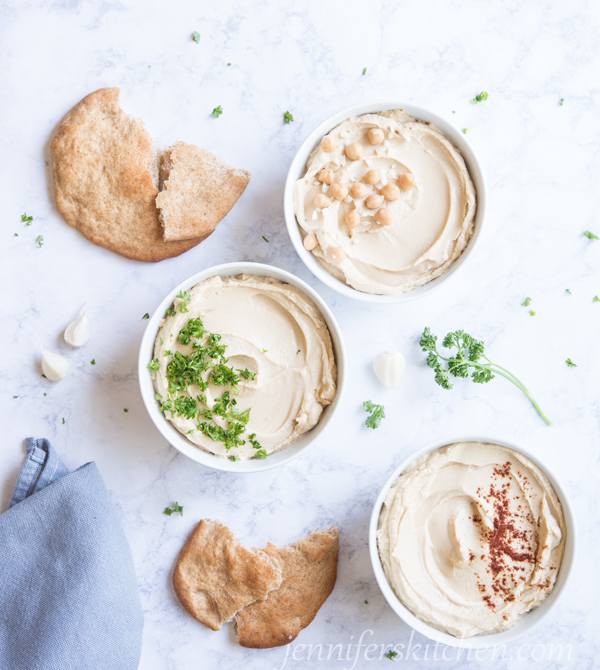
389,245
274,358
471,538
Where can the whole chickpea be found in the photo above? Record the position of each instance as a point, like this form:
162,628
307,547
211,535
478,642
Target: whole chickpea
352,218
310,242
406,181
354,151
374,201
327,143
335,255
321,201
359,190
339,191
383,216
376,136
372,177
390,192
325,176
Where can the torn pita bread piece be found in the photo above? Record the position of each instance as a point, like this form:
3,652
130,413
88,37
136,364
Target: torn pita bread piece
199,190
309,572
216,576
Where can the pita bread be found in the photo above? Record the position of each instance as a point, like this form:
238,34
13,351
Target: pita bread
216,576
309,572
199,190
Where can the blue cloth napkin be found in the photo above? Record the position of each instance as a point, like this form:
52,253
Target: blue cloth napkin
69,597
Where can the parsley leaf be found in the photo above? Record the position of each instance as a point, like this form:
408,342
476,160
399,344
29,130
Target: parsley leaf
126,410
591,236
247,374
531,312
464,131
196,36
93,361
377,414
568,290
526,302
173,510
154,365
234,458
217,111
391,655
40,240
265,239
287,117
185,297
596,299
146,316
262,454
63,420
481,97
468,356
562,102
26,219
570,363
364,71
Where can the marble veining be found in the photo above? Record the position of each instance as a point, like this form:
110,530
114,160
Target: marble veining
542,169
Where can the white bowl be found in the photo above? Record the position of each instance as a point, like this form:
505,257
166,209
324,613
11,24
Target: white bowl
532,619
298,169
179,441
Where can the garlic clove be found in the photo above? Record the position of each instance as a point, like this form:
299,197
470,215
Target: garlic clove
55,367
389,367
78,331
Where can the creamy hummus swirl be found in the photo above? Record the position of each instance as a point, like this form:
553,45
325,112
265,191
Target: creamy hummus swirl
431,223
471,538
275,331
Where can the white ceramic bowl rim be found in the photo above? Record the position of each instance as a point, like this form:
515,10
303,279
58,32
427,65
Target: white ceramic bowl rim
532,619
298,168
173,436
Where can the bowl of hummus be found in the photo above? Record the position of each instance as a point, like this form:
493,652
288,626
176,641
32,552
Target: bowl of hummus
384,201
241,367
472,541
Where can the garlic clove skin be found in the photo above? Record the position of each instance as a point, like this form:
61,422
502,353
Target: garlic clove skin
55,367
78,331
389,367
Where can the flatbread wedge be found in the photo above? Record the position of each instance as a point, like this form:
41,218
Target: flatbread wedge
216,576
199,190
309,572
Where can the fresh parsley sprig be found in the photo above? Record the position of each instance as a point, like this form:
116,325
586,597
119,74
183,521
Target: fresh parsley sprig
377,414
469,358
175,509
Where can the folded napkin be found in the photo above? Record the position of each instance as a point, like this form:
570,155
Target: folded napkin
69,597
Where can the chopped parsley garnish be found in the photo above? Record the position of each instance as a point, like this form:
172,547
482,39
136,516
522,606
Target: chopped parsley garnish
260,454
93,361
40,240
188,377
176,508
234,458
364,71
287,117
531,312
196,36
125,410
157,396
160,339
44,376
265,351
26,219
570,363
562,102
526,302
63,420
568,290
299,350
481,97
15,396
591,236
464,131
185,298
45,394
366,602
146,316
228,64
469,354
170,312
154,365
596,299
391,655
16,234
217,111
265,239
377,414
168,352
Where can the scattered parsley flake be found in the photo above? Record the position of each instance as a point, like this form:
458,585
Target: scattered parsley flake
26,219
154,365
364,71
217,111
531,312
596,299
464,131
262,454
453,112
157,396
40,240
391,655
591,236
377,414
190,431
234,458
265,239
228,64
562,102
160,339
146,316
287,117
481,97
570,363
196,36
125,410
366,602
526,302
44,376
299,350
63,420
45,394
265,351
16,234
568,290
173,510
15,396
170,312
469,354
93,361
185,297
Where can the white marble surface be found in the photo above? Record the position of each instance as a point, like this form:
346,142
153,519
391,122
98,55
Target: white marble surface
542,167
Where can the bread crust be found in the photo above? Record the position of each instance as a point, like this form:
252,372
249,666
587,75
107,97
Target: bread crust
216,576
105,180
309,569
